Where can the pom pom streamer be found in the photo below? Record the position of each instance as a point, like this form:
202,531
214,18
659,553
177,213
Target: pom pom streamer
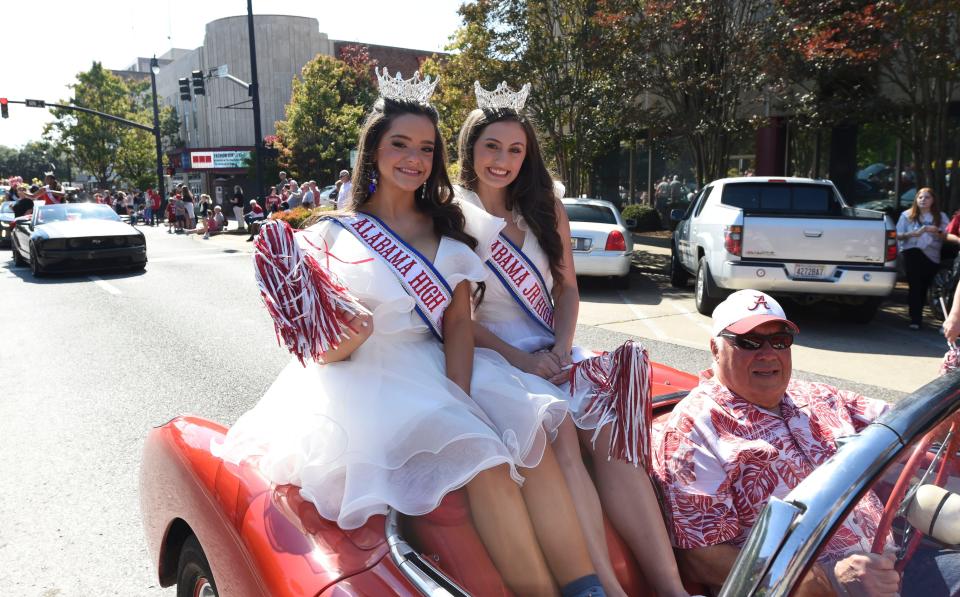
309,305
622,396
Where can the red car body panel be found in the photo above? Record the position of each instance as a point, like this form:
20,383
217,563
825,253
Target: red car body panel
262,540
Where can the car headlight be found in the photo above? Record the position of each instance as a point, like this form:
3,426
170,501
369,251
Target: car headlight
136,241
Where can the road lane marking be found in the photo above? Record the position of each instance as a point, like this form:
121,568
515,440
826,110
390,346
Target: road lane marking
642,317
200,257
104,285
689,315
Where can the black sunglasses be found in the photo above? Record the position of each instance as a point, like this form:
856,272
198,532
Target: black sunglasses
777,341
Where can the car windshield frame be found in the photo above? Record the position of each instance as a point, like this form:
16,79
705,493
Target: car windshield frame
6,207
68,212
591,208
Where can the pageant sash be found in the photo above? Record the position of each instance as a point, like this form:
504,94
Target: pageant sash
416,273
522,280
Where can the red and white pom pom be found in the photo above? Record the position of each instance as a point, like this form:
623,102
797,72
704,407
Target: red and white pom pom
622,396
951,360
308,303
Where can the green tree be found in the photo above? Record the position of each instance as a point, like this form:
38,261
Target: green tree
327,106
567,50
30,161
699,61
924,73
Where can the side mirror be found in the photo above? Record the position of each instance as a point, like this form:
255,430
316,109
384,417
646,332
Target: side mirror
676,215
631,223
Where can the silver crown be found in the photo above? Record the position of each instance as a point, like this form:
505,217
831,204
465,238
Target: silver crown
413,89
501,97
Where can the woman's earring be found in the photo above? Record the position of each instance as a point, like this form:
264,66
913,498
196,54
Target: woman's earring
423,190
373,182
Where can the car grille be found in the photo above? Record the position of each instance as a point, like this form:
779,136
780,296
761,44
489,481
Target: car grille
94,243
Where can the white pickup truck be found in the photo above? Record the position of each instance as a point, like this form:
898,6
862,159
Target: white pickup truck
784,236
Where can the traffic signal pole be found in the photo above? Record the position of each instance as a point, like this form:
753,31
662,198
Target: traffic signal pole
255,94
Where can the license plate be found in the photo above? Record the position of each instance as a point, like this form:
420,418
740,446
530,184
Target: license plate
808,271
581,244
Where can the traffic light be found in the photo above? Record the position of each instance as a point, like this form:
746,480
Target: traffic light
198,88
4,110
184,88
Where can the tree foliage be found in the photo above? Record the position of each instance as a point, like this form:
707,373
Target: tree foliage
31,161
326,110
110,151
923,74
565,48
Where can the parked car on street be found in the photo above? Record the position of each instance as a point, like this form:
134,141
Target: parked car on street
215,528
784,236
602,244
6,222
76,236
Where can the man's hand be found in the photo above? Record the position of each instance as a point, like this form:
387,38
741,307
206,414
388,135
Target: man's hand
868,575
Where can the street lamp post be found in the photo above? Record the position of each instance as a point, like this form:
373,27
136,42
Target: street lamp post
154,69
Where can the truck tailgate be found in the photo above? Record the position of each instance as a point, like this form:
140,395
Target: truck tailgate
815,239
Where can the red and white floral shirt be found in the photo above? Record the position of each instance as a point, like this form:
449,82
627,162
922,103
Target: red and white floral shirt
719,459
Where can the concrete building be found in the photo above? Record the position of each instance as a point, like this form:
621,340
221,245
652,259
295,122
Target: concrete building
217,129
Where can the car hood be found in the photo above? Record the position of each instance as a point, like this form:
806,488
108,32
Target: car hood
87,228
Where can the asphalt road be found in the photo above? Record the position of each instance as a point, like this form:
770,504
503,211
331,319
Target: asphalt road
92,362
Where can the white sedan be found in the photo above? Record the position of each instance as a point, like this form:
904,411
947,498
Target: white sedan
602,245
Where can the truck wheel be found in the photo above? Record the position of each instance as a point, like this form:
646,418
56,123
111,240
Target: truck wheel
865,311
194,578
701,297
678,275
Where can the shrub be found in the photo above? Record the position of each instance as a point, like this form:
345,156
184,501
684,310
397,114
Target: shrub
298,215
646,217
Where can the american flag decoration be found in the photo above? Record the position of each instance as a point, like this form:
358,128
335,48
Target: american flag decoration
623,397
309,305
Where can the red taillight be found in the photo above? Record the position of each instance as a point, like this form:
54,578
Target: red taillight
733,239
891,246
615,242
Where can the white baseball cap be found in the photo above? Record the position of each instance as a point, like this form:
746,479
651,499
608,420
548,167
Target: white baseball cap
746,309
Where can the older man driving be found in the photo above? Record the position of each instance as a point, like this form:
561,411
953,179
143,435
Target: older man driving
747,432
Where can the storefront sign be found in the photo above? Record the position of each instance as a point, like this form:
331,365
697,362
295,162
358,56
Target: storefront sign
209,160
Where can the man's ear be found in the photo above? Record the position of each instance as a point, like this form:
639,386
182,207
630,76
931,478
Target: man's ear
714,349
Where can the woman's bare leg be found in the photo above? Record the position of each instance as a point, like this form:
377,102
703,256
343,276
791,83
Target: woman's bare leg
629,500
555,520
587,503
500,517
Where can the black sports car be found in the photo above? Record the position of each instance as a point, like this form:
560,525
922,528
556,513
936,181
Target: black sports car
75,236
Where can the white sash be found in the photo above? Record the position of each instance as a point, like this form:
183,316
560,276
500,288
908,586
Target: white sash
416,273
522,280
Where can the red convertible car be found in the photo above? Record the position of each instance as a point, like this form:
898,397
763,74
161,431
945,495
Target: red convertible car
214,528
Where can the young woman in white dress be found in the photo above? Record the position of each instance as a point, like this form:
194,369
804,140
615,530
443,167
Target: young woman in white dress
502,171
395,418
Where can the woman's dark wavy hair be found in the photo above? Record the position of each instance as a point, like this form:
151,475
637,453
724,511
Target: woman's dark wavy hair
437,199
532,192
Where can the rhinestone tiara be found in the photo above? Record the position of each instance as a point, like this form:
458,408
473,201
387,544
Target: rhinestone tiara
501,97
413,89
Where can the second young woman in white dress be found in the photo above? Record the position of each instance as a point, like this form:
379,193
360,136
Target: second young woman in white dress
502,171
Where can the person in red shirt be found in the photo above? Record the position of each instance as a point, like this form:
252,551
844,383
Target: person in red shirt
273,200
154,202
748,432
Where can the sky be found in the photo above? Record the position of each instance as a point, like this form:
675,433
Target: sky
46,43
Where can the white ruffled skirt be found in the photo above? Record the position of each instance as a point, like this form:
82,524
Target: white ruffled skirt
387,428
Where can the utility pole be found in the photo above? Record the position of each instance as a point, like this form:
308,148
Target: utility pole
154,70
255,94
